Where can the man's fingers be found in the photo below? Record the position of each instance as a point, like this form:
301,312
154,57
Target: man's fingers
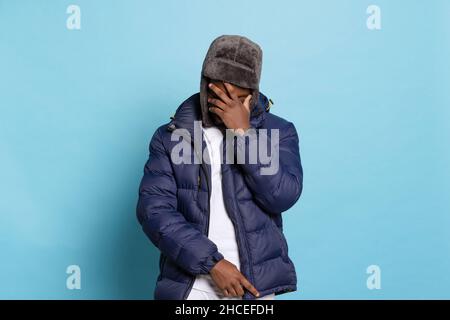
239,290
222,95
217,102
249,286
216,110
231,91
232,291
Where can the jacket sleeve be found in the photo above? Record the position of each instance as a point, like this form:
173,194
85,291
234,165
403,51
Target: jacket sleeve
166,227
275,189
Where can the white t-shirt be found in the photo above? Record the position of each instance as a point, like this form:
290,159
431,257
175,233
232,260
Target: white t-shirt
221,228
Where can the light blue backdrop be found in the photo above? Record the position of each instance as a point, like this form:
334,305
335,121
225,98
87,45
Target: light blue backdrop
78,108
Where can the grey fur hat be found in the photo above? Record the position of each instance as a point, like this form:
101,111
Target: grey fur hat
234,59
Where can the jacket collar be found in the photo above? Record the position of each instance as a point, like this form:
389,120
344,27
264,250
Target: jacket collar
190,111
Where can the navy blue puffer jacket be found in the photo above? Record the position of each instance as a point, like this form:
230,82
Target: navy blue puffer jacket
173,208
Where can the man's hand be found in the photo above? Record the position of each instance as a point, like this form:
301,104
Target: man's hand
234,113
230,280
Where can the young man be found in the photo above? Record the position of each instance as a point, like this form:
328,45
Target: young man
217,221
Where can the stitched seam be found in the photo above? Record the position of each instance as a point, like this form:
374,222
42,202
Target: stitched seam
237,49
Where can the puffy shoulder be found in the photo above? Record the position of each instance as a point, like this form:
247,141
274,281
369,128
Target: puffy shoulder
286,127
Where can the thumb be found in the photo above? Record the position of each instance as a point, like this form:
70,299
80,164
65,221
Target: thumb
247,102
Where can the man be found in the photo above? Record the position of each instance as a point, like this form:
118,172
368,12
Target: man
218,223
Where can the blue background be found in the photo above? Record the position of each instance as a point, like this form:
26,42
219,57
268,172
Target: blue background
78,108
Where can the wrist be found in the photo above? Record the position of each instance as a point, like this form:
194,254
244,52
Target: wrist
213,260
240,131
216,266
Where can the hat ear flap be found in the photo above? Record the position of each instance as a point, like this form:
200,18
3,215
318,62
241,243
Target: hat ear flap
254,100
206,115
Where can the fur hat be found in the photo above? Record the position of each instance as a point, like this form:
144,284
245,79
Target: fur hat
234,59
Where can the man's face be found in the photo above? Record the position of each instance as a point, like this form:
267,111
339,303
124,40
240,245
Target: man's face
242,93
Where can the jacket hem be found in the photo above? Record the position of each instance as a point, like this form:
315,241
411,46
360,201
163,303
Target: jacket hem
276,290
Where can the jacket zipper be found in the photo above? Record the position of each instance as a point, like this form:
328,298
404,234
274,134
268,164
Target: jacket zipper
240,239
206,231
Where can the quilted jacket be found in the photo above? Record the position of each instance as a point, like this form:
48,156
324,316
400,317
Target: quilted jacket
173,206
